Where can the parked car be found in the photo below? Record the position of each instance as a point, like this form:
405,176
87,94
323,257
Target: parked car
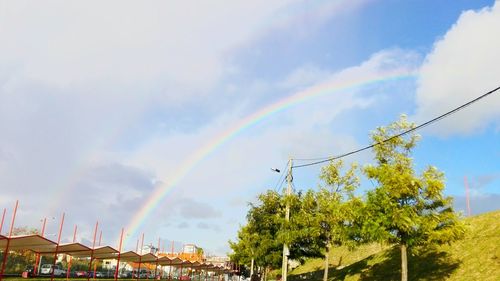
47,269
185,278
81,273
125,274
28,272
109,273
143,274
98,274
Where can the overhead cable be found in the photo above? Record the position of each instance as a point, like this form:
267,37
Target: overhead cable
456,109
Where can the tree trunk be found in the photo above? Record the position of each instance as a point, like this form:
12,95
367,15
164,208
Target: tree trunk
327,264
251,268
404,263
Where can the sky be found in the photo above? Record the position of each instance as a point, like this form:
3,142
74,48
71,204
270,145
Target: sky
166,117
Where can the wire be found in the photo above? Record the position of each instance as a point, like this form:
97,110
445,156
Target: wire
281,179
280,188
327,159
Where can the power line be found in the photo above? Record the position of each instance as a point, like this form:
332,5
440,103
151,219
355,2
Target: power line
327,159
279,184
280,181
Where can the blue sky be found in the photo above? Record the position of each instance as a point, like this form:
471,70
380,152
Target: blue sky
101,103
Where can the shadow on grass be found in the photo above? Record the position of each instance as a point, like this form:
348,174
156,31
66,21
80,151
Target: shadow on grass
426,266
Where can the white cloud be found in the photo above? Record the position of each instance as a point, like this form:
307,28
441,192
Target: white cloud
154,45
75,76
462,66
304,76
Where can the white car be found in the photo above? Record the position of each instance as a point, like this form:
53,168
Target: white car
46,269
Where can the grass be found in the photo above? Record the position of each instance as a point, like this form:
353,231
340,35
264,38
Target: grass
476,257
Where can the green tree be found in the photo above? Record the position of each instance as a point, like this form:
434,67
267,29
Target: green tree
262,238
337,207
406,208
258,239
245,247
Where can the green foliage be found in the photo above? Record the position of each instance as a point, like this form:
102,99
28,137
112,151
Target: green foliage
338,208
406,208
258,239
301,232
266,231
475,257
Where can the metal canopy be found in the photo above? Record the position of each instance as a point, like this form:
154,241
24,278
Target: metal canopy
72,249
195,264
170,261
148,258
35,243
105,252
130,256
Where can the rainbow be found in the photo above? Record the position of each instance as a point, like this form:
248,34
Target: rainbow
195,158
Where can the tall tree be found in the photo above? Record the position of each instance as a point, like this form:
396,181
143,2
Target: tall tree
258,239
262,238
245,247
337,207
406,208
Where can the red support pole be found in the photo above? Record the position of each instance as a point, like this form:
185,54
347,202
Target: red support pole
69,263
157,253
92,252
139,269
13,219
142,242
170,271
57,248
6,252
118,259
99,245
37,259
140,258
3,218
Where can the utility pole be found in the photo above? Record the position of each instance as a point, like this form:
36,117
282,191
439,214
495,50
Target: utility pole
286,251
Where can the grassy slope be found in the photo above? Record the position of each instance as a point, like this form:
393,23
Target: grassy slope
476,257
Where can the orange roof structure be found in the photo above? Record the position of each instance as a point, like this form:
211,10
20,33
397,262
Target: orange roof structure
170,261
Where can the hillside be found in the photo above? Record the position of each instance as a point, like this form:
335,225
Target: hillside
476,257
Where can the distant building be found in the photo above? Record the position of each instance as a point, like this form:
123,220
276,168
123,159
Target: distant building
190,249
218,260
149,249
